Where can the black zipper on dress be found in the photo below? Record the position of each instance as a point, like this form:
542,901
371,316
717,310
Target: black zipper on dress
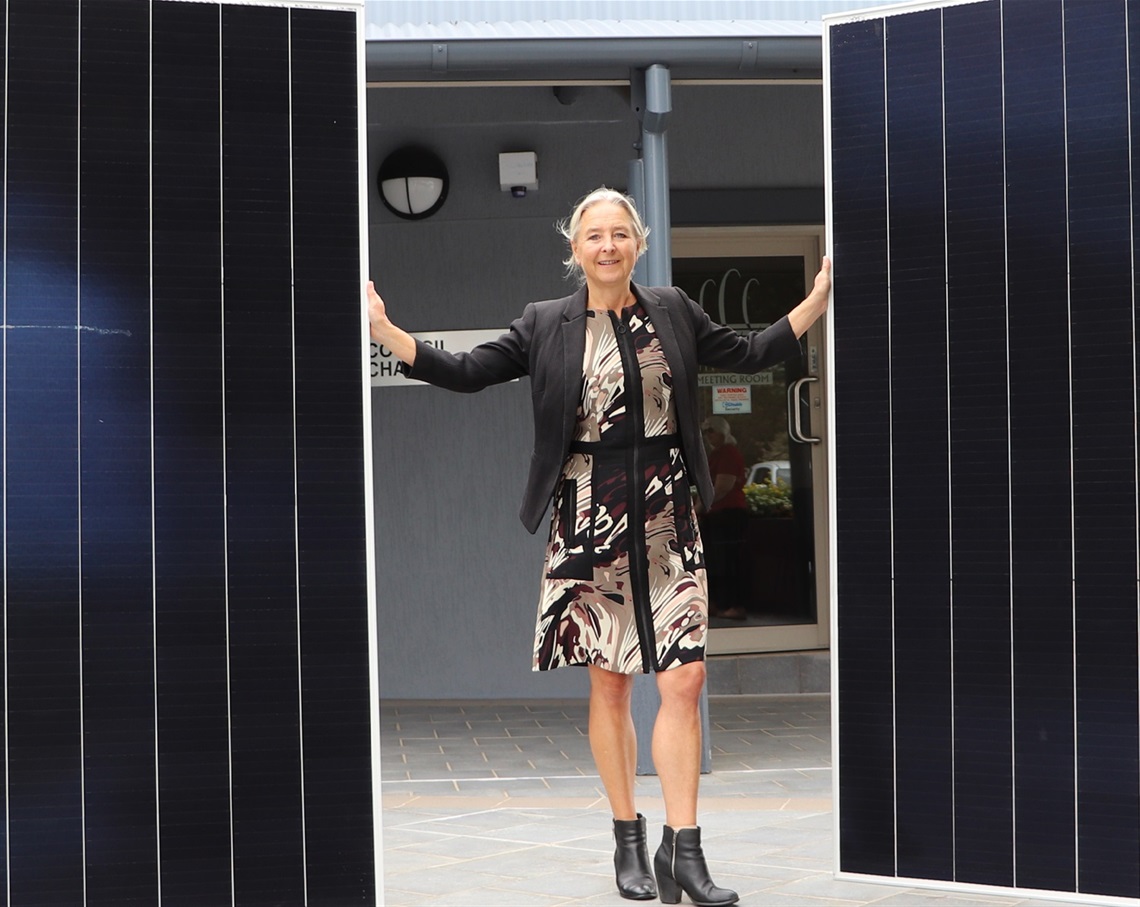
635,481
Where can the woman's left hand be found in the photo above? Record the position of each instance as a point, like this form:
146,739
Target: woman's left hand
805,314
822,286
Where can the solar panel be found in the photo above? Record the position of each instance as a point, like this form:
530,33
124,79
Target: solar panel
981,191
189,715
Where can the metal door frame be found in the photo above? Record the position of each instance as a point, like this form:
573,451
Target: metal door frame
808,243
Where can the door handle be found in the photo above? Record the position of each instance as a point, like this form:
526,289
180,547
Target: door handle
795,424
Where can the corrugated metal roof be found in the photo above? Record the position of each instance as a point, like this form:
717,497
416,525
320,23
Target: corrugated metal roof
435,12
560,40
504,19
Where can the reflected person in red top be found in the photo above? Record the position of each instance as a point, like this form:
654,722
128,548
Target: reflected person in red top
724,525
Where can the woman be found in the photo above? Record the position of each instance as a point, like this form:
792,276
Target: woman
613,371
724,525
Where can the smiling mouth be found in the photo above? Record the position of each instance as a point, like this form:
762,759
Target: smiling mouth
613,261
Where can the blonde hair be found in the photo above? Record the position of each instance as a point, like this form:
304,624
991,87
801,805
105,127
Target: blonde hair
570,227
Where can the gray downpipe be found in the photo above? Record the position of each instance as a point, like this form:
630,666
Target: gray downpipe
649,186
655,157
763,56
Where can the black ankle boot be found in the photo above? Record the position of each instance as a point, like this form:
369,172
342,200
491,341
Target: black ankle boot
631,860
680,865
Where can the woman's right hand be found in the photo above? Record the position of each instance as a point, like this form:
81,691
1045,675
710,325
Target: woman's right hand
377,314
384,332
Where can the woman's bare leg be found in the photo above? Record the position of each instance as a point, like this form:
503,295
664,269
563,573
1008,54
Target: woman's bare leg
612,737
677,741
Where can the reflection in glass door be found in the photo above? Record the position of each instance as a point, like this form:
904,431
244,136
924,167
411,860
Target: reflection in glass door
765,547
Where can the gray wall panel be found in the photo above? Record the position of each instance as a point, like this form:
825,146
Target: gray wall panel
457,573
756,136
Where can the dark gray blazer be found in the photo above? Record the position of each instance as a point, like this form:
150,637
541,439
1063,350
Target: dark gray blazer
548,342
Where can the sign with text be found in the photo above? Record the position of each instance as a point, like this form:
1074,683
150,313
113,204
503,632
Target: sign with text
716,379
731,399
383,363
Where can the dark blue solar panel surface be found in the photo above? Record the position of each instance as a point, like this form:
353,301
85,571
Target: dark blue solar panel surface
330,444
3,467
1040,445
114,476
979,479
186,649
189,493
1104,466
989,656
863,466
920,473
261,529
44,733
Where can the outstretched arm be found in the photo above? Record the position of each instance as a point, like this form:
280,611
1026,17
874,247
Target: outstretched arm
725,348
804,315
400,342
493,362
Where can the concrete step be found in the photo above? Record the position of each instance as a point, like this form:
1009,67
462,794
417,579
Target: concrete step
773,672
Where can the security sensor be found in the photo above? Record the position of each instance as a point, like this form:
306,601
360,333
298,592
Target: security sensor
518,172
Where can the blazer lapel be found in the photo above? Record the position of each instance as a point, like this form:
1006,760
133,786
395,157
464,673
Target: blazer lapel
573,349
663,326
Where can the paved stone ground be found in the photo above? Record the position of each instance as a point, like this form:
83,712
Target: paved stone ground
496,804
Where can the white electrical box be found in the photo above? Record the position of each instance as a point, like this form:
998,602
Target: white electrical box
518,170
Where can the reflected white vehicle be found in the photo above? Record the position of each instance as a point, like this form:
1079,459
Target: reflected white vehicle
769,471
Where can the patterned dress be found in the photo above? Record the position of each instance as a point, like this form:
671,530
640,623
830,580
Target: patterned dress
624,576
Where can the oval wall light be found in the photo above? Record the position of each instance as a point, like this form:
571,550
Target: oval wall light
413,182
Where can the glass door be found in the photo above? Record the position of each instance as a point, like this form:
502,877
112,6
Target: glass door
766,548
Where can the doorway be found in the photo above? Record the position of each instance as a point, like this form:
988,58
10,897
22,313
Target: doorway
777,600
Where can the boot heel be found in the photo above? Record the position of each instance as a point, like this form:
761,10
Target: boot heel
667,889
680,865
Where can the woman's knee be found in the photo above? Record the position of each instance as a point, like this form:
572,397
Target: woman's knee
610,688
682,685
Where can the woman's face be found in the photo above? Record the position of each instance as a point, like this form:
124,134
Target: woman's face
606,247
